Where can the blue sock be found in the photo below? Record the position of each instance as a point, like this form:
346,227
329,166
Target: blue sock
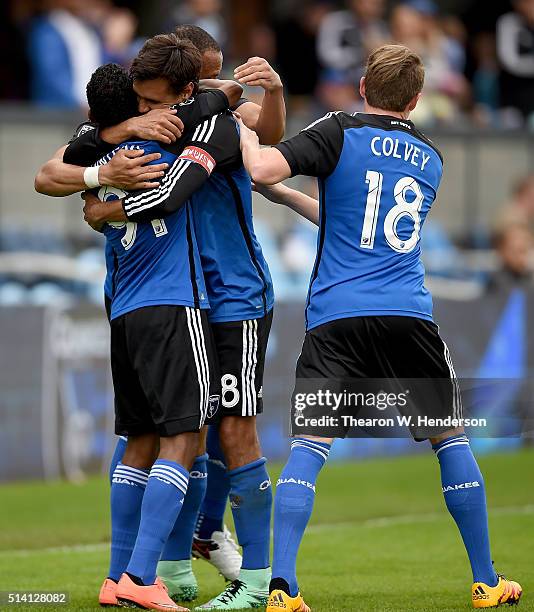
295,494
162,502
465,496
118,454
251,498
127,490
178,546
211,515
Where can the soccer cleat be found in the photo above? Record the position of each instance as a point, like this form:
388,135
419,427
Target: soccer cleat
221,551
504,592
250,590
282,602
108,593
151,597
179,579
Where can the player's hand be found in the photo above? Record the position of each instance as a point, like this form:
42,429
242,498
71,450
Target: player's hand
160,124
257,72
92,210
248,137
128,171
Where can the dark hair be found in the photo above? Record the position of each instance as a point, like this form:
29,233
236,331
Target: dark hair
199,37
169,57
110,95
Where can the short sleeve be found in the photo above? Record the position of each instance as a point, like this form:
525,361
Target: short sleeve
83,128
203,105
86,146
240,102
316,150
212,102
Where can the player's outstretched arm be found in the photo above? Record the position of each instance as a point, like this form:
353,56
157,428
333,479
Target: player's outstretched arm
267,166
269,119
126,170
303,204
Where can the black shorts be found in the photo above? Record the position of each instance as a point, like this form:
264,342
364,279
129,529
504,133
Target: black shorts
107,306
386,347
165,372
241,348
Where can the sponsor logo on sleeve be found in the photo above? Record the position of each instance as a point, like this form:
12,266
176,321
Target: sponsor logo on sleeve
199,156
86,127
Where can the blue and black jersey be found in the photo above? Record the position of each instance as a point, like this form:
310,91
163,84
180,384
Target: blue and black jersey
210,175
378,177
155,263
87,146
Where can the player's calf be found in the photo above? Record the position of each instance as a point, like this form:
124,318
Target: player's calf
465,497
251,501
174,566
293,508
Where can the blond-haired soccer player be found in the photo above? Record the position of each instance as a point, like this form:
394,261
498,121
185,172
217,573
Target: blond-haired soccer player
368,313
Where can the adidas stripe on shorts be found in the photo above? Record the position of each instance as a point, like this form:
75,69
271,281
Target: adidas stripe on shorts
165,372
241,348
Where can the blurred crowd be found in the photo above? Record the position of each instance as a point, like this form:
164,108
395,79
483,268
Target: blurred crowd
479,56
479,59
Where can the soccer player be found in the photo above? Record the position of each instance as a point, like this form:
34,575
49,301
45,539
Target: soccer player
210,173
241,316
368,314
112,99
162,357
212,539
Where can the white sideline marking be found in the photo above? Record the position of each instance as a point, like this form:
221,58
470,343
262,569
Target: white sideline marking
385,521
407,519
28,552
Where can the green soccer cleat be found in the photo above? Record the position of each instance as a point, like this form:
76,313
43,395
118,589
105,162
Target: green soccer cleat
179,579
250,590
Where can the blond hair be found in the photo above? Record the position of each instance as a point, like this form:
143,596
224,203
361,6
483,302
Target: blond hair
393,77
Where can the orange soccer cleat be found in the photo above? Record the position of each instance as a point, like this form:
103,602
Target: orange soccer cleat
108,593
152,597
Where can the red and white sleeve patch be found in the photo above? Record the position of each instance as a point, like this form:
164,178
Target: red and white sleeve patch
199,156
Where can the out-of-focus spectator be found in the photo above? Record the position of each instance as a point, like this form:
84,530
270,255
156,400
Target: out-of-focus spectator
520,209
300,31
345,40
485,78
515,51
64,50
14,74
205,14
514,244
415,24
68,41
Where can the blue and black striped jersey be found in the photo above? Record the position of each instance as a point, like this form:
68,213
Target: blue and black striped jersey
210,174
378,177
86,147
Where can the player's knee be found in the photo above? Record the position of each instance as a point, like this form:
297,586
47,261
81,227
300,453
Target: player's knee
182,448
447,434
239,440
201,446
141,451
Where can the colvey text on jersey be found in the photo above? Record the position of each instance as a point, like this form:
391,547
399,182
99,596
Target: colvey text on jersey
393,147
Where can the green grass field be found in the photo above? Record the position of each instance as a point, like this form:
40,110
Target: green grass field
380,538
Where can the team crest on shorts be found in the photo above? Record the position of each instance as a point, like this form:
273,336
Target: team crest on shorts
213,405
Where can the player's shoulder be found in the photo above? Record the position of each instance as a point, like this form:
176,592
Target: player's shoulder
387,123
202,104
83,128
220,126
